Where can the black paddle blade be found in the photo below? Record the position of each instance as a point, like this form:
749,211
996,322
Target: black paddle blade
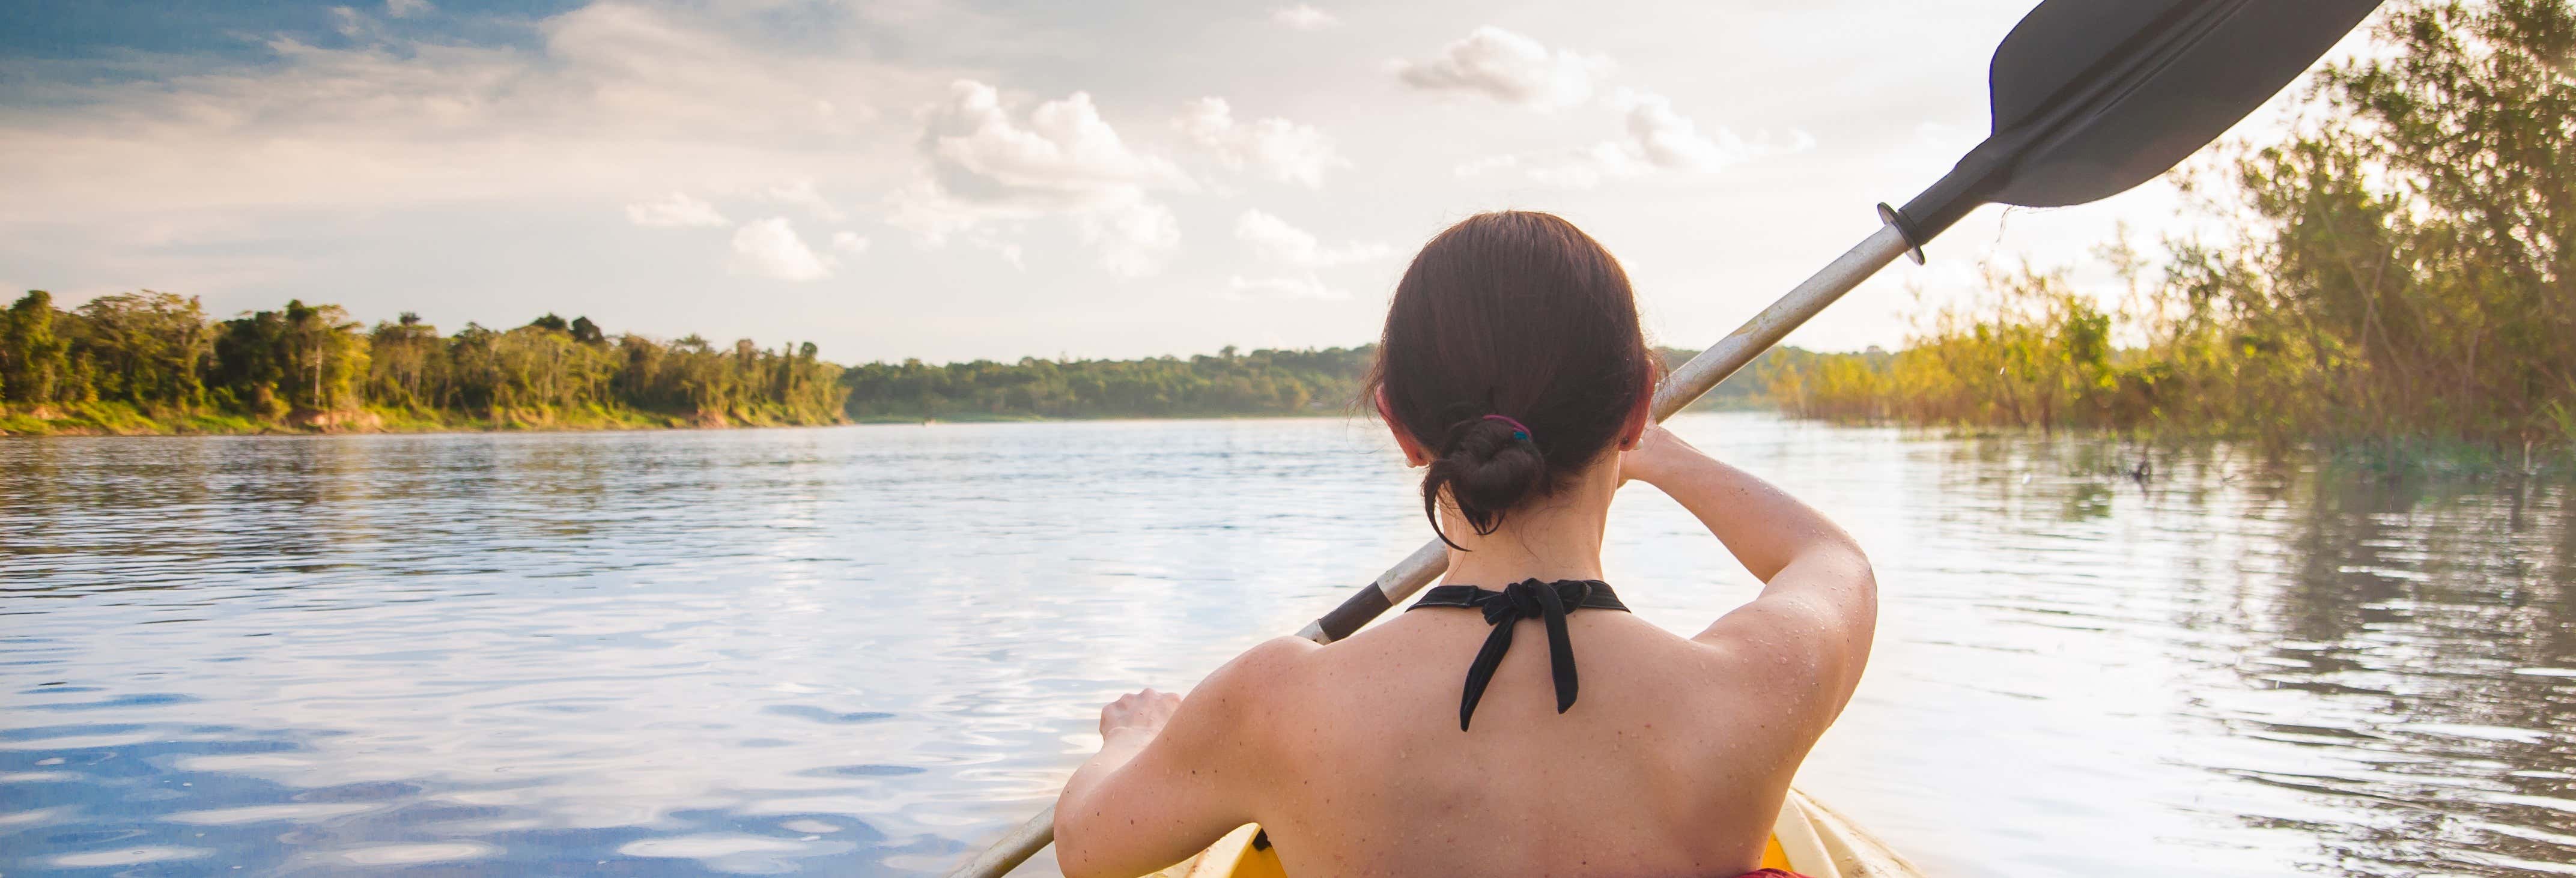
2231,58
2093,97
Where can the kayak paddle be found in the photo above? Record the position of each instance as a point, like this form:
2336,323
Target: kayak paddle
2090,98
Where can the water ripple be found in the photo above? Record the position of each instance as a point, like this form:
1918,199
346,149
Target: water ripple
866,651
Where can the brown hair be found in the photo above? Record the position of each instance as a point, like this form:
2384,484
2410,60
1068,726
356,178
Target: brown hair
1517,314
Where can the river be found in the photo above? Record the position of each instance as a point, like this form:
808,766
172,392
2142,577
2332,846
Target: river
869,650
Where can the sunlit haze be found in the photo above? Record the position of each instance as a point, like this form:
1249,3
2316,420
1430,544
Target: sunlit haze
946,181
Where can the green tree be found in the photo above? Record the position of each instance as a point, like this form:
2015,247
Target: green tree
148,348
1232,383
301,358
407,364
34,358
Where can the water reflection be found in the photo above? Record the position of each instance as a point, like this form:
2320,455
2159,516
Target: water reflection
865,651
2433,627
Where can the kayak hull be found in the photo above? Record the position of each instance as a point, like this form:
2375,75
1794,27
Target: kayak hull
1808,839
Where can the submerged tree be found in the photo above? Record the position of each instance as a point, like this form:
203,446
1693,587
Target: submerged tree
2419,249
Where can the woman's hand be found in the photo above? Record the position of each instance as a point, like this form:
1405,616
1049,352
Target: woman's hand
1138,712
1657,455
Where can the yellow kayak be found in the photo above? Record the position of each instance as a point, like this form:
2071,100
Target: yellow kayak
1809,839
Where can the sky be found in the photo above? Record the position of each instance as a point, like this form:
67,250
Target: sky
898,179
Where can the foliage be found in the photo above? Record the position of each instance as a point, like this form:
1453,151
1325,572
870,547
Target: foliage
2405,271
2035,353
1263,382
1231,383
145,348
152,362
34,360
304,358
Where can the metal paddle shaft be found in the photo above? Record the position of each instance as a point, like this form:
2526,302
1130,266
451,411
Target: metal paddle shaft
2090,98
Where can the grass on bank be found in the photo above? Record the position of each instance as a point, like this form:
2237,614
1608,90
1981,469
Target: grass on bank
128,419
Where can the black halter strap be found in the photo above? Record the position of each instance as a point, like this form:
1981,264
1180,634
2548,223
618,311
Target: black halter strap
1528,598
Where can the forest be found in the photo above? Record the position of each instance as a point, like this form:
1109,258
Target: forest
152,362
1262,382
1231,383
2401,271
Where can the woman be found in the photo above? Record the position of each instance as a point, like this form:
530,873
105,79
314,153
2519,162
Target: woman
1514,372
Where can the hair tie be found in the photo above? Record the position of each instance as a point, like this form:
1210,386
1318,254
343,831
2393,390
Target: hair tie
1520,431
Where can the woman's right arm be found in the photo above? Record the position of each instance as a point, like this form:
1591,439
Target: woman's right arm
1819,597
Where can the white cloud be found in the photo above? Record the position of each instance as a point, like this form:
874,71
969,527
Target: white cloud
801,193
675,212
1066,156
1508,67
1666,139
407,8
1304,17
352,23
1010,252
1656,138
1584,168
983,167
1134,239
1306,287
770,248
849,242
1278,241
1276,148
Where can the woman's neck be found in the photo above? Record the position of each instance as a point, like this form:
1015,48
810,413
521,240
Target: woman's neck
1555,538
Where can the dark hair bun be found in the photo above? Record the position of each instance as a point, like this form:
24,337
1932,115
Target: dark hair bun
1487,467
1504,320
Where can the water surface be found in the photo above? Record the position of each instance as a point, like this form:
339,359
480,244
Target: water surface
869,650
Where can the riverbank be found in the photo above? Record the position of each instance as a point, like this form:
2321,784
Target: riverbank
125,419
2391,457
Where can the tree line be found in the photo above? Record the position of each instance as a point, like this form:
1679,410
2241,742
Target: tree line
154,362
2402,268
1262,382
1230,383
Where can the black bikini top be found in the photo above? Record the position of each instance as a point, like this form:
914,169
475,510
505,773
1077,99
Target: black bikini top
1528,598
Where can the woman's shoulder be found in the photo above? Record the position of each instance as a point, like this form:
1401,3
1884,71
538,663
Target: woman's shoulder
1270,660
1257,678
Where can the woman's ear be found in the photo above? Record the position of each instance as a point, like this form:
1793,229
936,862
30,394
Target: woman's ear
1639,415
1413,453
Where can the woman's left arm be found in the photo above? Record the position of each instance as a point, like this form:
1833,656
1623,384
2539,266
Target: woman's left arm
1172,775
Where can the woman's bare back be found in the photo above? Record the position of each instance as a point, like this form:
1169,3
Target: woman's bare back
1673,760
